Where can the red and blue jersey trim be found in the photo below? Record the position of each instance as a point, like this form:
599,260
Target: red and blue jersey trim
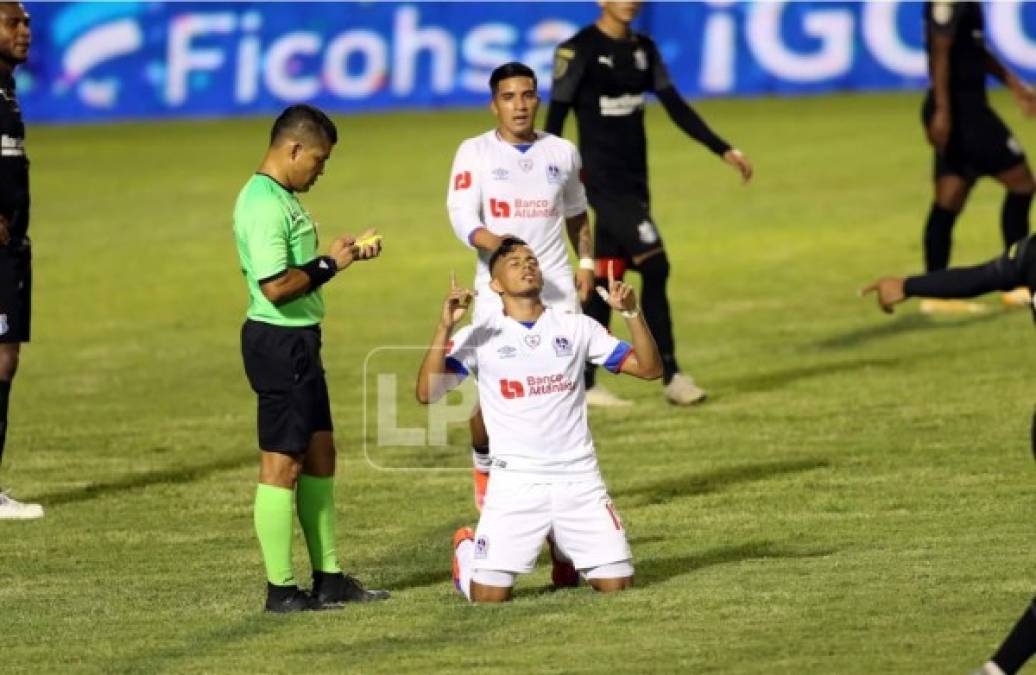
622,351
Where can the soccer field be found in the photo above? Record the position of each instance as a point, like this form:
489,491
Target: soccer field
855,497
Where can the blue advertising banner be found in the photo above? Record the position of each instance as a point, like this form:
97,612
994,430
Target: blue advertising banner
101,61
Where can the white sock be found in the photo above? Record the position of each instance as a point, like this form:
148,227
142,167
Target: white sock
481,461
991,668
465,556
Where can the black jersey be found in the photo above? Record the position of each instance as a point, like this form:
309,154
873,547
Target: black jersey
14,164
963,22
605,80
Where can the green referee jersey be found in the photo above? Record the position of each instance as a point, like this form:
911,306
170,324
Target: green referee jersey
273,232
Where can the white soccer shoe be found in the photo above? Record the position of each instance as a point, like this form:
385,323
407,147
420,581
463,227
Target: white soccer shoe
11,509
1019,297
932,306
989,668
682,390
602,398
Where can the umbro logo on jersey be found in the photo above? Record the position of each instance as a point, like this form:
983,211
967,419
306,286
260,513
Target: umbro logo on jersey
532,340
607,60
511,389
553,173
462,181
507,352
501,174
562,346
499,208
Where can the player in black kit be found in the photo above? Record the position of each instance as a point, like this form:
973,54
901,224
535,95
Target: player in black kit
15,257
603,74
1017,267
969,138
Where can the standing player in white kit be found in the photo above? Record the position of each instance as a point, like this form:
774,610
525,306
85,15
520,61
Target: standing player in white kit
529,361
515,180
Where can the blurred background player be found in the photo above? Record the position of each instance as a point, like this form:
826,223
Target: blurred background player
529,361
280,344
969,138
15,250
602,73
515,180
1016,268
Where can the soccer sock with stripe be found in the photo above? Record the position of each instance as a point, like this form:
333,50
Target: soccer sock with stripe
274,515
1014,217
316,502
1020,644
938,238
5,396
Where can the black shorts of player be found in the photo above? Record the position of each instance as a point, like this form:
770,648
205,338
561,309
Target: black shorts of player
980,143
284,368
15,294
623,227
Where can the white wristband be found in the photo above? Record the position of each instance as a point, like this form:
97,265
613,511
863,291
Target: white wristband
630,314
586,264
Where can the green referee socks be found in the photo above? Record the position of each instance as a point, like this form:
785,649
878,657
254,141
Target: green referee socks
273,520
316,501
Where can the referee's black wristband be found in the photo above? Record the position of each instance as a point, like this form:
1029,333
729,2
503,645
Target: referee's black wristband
320,270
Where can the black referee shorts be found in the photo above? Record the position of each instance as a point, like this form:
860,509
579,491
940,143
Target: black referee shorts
15,294
623,227
980,143
284,368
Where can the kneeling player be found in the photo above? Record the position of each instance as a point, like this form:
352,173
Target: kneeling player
1014,269
529,361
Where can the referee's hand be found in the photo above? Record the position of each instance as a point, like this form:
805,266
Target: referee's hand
737,159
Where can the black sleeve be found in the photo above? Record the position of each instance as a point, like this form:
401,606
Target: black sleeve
1001,274
556,114
569,66
689,121
943,17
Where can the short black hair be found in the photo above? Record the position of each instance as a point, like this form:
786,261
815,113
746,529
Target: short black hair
507,245
509,70
304,121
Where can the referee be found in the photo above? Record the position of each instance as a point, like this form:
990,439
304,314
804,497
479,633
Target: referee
1015,268
15,253
603,74
969,138
280,343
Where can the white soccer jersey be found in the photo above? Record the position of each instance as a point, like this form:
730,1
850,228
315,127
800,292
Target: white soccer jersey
530,384
527,194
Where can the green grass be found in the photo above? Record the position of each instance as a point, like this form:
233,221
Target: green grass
855,497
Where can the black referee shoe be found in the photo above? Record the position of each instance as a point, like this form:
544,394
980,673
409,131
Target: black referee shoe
288,599
334,589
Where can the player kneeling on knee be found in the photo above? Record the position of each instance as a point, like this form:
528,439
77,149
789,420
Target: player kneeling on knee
529,362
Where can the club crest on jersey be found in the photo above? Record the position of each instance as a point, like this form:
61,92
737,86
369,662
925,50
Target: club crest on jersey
501,174
482,547
553,174
532,340
648,233
506,352
640,59
562,346
525,164
4,326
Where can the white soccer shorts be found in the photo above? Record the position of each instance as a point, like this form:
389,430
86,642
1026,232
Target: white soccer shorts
519,512
559,292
